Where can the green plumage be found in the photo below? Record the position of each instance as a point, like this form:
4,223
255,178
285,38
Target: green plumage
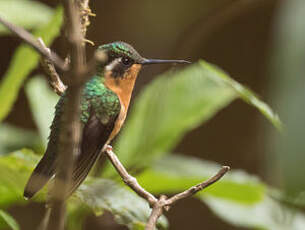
105,103
95,98
99,110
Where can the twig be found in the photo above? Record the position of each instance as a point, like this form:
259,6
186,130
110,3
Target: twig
70,135
163,203
32,41
55,81
128,179
157,211
75,37
49,60
193,190
85,12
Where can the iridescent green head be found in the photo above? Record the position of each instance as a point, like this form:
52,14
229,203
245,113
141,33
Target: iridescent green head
122,56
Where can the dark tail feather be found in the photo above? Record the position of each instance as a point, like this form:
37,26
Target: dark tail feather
40,176
81,170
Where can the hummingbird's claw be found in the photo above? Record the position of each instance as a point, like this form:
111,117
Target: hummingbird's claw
107,148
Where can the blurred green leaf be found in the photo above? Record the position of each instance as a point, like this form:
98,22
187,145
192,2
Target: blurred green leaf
128,208
98,194
15,168
42,102
176,173
23,62
77,212
175,103
238,198
13,138
244,93
288,94
9,220
267,214
24,13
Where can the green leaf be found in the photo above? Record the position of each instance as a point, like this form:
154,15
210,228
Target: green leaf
244,93
13,138
176,103
42,102
15,169
238,198
176,173
24,13
173,104
98,194
23,62
288,93
128,208
9,220
267,214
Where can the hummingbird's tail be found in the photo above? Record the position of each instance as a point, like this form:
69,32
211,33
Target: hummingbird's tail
41,175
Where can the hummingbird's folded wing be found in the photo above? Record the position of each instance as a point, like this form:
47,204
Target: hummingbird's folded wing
95,136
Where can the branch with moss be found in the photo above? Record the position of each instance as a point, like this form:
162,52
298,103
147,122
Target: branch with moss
54,81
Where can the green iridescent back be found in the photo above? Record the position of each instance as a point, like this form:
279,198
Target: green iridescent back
98,98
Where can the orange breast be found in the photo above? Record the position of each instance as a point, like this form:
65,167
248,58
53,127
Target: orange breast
122,87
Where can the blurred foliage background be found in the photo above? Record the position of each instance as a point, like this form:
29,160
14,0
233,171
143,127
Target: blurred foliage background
260,43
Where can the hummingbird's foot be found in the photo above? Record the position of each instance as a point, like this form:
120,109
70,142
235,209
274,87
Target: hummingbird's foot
107,148
89,42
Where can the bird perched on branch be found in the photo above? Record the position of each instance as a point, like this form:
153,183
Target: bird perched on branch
104,104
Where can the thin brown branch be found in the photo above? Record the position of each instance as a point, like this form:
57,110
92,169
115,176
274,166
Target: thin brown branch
86,73
157,211
55,81
85,12
163,203
193,190
75,39
128,179
32,41
70,135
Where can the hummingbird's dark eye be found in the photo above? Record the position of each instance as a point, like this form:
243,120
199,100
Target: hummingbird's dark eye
127,61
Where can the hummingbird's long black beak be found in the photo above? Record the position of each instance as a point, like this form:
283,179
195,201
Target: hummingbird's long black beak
159,61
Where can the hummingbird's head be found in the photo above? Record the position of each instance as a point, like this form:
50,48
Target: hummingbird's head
122,66
123,59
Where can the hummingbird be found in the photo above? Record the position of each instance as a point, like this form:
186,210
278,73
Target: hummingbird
104,104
